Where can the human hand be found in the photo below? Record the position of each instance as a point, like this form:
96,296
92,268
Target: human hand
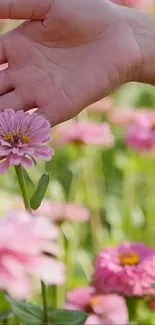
69,54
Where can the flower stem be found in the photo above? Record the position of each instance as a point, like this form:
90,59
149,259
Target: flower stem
43,290
23,187
26,199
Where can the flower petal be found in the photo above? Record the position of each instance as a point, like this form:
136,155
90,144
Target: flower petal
4,166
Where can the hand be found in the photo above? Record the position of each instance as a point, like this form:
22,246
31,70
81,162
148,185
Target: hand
69,54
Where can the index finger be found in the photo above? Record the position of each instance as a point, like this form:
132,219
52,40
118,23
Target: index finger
24,9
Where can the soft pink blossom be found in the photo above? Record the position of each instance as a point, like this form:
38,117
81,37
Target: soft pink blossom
121,117
103,106
59,212
141,133
128,270
102,309
85,132
23,137
134,3
23,241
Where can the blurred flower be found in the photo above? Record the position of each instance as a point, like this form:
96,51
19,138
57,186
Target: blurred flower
59,212
144,113
85,132
102,309
103,106
133,3
121,117
141,133
23,241
22,137
128,270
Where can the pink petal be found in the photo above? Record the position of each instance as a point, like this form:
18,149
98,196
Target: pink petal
18,285
95,320
115,310
26,162
48,269
4,166
15,160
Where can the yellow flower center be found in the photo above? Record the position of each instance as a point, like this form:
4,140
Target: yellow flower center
95,301
9,137
15,139
26,139
130,258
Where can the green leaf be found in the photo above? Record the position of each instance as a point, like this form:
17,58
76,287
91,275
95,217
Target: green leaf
28,178
153,285
5,316
29,314
40,191
67,317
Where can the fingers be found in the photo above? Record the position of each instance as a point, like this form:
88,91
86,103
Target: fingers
24,9
14,100
3,58
5,82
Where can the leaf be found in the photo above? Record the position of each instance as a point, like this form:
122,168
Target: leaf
67,317
153,285
40,191
29,314
5,316
28,178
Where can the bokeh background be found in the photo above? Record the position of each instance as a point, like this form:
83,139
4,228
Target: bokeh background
101,191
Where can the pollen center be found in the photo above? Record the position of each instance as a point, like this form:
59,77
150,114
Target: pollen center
16,139
95,301
130,258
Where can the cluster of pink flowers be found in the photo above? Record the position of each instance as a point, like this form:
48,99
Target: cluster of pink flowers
141,133
23,136
85,132
133,3
128,270
102,309
23,242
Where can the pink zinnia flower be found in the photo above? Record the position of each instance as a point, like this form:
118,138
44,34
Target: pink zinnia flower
102,309
59,212
23,241
103,106
22,137
133,3
85,132
121,117
141,133
128,270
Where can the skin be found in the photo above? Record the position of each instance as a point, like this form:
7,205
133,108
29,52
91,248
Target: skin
69,54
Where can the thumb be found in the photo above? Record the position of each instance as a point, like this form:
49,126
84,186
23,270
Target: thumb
24,9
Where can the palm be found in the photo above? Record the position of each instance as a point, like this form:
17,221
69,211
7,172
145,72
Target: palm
61,70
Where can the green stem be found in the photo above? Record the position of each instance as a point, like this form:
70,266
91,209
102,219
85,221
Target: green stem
23,187
132,304
43,290
149,202
93,200
26,199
